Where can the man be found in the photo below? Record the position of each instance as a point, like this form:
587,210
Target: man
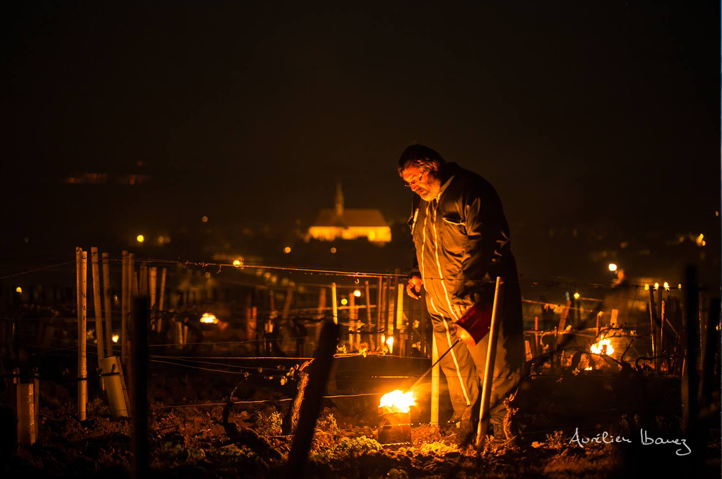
462,244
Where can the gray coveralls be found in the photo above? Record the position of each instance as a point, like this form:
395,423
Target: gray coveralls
462,243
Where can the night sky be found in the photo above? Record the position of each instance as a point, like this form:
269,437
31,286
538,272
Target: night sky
587,115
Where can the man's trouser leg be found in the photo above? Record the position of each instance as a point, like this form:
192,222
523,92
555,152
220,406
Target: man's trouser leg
458,367
508,361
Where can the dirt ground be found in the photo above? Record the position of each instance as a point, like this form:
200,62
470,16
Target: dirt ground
194,442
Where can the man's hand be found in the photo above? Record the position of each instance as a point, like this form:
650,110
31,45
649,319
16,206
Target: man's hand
413,287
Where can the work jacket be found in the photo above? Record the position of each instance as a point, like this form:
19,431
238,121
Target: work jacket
462,242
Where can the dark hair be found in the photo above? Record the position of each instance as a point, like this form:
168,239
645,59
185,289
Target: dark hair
422,157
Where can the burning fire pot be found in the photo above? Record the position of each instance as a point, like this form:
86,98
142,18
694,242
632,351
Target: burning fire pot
395,409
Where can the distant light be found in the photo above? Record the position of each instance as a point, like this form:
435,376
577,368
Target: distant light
238,263
207,274
19,290
26,240
700,240
577,295
344,301
679,286
209,318
204,219
666,285
357,293
646,287
612,267
161,239
656,286
333,250
116,338
140,238
287,249
716,213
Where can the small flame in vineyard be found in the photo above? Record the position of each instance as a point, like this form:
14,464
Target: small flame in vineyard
604,346
398,401
209,318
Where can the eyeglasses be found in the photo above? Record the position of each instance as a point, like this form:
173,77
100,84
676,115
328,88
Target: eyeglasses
415,181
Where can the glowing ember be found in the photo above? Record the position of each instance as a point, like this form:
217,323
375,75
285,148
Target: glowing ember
209,318
115,338
398,401
602,347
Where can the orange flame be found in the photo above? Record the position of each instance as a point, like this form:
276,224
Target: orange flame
604,346
398,401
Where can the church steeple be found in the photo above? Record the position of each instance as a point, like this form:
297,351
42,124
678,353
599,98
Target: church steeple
339,200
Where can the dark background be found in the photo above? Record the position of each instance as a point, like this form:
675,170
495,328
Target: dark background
598,123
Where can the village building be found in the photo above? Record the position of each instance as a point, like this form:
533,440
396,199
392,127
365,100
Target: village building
349,224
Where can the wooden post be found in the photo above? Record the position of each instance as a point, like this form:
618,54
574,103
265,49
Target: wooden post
690,382
124,309
143,283
139,439
82,338
161,300
287,303
653,329
367,297
353,336
108,306
312,401
152,290
379,312
132,294
435,381
321,303
489,370
333,303
400,340
97,305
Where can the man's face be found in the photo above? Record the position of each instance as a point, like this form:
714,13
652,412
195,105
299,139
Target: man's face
425,184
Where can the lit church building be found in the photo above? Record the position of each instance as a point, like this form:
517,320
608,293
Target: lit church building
349,224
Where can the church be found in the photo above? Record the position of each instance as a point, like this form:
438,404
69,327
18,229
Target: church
349,224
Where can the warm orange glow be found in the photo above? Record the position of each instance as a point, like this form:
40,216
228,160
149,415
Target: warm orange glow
344,301
612,267
204,219
357,293
604,346
390,344
209,318
116,338
577,295
19,290
398,401
140,238
287,249
238,263
333,250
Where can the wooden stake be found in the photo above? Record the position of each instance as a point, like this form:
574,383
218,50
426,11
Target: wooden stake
367,293
333,303
653,329
124,309
353,327
143,279
435,382
379,312
152,280
321,303
161,302
97,305
108,306
489,370
399,319
82,338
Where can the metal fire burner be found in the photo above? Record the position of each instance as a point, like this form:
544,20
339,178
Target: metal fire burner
395,428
